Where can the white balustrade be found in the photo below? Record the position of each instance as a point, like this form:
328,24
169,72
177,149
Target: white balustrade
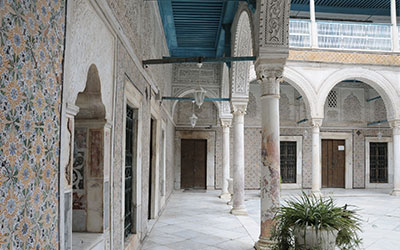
342,35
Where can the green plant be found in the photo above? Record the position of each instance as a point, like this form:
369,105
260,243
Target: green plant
320,214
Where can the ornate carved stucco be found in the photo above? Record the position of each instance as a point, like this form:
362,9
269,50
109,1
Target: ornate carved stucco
242,47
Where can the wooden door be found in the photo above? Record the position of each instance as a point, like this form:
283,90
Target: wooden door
193,163
333,163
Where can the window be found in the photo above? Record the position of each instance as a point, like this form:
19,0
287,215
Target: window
332,99
130,164
288,161
378,156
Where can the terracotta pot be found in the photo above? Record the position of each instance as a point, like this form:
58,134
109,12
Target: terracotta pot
309,238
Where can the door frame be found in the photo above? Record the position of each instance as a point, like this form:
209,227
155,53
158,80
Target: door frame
348,138
210,168
389,141
299,161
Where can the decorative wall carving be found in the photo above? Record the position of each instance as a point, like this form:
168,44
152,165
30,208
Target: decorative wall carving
252,106
352,108
284,108
274,23
242,47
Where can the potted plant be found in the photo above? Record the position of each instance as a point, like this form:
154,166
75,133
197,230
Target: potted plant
309,222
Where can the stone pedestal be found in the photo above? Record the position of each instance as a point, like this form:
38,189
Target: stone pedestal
226,123
396,157
270,151
316,156
239,110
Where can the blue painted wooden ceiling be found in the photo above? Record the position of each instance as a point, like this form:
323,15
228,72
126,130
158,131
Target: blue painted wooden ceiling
202,27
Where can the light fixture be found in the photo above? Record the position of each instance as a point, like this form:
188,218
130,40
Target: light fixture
193,118
199,95
380,135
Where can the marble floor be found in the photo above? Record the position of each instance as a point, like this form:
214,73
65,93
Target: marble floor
194,220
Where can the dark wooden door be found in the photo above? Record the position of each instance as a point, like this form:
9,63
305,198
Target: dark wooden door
333,163
193,163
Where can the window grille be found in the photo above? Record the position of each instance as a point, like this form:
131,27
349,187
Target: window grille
332,99
288,161
378,155
129,151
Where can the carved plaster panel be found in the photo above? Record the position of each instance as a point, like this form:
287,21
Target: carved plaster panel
274,23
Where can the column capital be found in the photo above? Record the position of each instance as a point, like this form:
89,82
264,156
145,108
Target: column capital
226,122
239,107
316,122
269,70
395,124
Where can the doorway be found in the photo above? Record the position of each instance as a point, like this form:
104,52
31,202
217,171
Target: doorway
333,163
152,163
193,163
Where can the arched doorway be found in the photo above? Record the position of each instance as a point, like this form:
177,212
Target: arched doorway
356,139
91,164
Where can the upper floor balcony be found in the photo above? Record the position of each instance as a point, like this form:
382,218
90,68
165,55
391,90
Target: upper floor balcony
343,35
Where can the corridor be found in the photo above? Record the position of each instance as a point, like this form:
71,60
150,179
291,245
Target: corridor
194,220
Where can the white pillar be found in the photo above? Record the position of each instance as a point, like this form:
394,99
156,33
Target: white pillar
316,156
314,30
226,123
270,151
239,110
396,157
395,33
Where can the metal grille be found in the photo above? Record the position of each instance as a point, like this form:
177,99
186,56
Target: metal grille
129,131
378,162
288,161
332,99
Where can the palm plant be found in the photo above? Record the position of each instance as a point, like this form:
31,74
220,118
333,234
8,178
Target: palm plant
319,214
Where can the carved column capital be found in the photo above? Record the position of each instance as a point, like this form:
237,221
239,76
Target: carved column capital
316,122
239,108
269,75
269,71
226,122
395,124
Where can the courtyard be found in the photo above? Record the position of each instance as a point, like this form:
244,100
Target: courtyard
200,220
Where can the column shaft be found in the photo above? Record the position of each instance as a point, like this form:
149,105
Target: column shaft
395,33
314,31
316,157
270,155
396,160
239,207
225,162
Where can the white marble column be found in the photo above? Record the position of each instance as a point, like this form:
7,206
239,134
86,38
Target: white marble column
239,110
269,79
316,156
396,157
313,28
395,33
226,124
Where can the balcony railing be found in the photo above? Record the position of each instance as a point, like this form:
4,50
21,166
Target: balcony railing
342,35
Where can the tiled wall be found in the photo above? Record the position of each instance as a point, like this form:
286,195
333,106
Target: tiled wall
31,42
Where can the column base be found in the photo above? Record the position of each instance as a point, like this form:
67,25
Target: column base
241,211
395,192
225,196
264,244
